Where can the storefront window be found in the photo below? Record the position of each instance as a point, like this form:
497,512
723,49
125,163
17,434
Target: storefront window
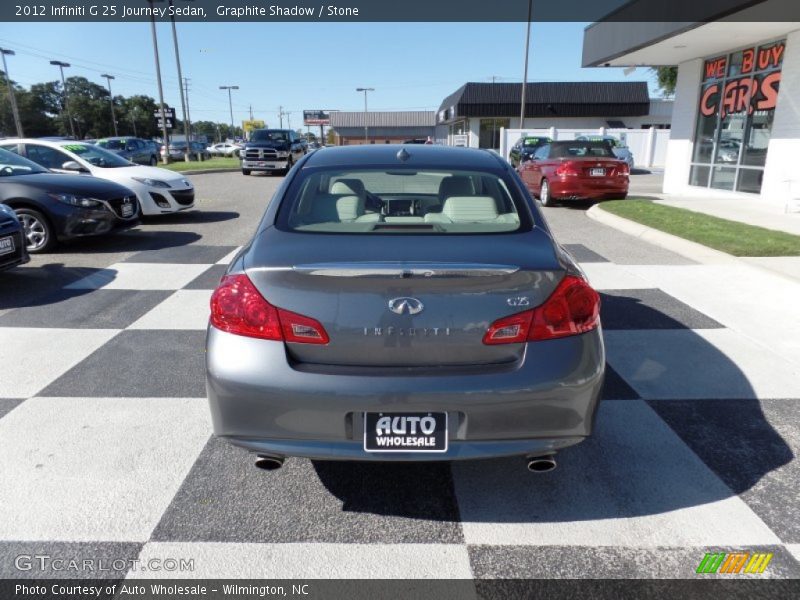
734,123
490,132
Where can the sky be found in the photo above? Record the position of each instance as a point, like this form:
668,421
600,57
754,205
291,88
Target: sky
412,66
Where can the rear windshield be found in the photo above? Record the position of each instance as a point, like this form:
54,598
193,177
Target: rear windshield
534,141
570,149
401,201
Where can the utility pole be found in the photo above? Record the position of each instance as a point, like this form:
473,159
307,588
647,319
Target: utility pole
366,126
288,119
188,151
164,132
251,112
230,103
111,101
188,112
280,115
525,72
494,121
61,65
11,97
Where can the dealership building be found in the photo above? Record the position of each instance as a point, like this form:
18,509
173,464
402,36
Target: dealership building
477,112
736,118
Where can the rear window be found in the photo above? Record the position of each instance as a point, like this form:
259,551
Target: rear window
401,201
572,149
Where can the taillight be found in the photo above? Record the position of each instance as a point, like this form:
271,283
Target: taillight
568,169
624,169
238,307
573,308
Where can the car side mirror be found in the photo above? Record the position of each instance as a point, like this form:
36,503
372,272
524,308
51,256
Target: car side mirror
72,165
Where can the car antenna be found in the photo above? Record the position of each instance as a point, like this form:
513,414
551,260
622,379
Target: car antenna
403,155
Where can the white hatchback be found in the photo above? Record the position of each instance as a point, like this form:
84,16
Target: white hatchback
159,191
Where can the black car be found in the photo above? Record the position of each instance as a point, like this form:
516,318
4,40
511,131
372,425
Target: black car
524,148
54,207
12,240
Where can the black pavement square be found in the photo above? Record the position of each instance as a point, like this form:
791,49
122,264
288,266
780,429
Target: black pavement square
208,279
195,254
86,309
649,309
55,560
9,404
616,388
139,363
225,498
609,562
583,254
751,445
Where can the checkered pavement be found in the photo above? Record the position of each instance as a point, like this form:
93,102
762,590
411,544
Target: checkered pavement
106,450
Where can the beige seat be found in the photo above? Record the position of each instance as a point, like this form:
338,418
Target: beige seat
465,209
344,203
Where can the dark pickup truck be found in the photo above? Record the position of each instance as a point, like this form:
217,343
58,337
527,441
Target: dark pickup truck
271,150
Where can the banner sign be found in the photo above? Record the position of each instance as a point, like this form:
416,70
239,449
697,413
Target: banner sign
316,117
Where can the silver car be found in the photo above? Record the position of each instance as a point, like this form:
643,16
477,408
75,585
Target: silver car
404,303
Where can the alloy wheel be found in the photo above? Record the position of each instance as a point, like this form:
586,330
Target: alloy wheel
35,232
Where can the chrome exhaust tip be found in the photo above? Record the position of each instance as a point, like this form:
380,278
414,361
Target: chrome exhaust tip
269,463
541,464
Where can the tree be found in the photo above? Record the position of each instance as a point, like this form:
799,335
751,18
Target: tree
666,79
135,117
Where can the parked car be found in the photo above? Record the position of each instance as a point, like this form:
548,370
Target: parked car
524,148
199,149
13,251
225,149
619,149
177,150
421,289
54,208
133,149
271,150
159,191
576,170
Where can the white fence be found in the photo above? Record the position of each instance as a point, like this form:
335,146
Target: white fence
649,146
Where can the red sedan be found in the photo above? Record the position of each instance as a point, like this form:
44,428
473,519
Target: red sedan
576,170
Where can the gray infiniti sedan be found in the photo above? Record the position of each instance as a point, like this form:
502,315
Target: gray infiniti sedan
404,303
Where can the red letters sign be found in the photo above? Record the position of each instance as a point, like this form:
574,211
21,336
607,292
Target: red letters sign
746,93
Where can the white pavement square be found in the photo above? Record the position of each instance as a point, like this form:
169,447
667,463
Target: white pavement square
610,276
95,469
312,560
140,276
635,484
32,358
699,363
747,299
185,309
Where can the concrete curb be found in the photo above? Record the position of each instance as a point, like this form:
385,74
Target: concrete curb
691,250
204,171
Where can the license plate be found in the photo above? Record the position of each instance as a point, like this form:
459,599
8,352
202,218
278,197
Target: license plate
127,210
6,245
267,165
405,432
597,172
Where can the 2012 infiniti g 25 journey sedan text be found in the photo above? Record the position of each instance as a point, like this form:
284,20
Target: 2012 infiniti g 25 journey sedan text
404,303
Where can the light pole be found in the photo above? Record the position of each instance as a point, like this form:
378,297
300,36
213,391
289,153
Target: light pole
366,126
187,152
163,112
111,101
11,97
525,72
61,65
230,102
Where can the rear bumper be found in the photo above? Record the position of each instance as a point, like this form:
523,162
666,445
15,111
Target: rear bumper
565,188
545,402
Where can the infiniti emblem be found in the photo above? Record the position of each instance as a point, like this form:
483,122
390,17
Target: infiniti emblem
405,306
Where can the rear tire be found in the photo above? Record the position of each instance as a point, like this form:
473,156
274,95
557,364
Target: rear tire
544,194
245,171
39,234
